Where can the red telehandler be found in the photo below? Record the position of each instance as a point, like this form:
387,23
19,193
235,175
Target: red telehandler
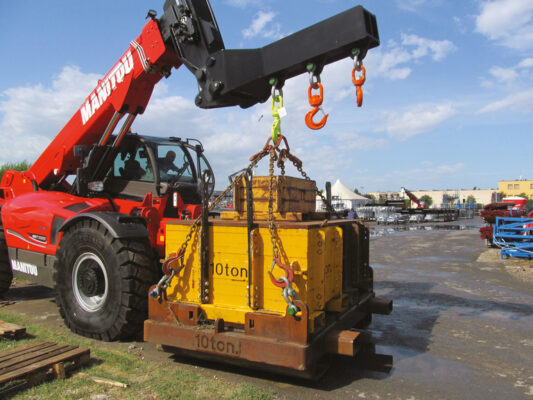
100,239
413,198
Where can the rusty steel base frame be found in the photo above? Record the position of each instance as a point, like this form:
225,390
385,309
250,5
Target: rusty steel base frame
280,344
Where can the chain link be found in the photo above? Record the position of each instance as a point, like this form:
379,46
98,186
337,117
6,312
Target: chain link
298,164
197,222
271,226
288,293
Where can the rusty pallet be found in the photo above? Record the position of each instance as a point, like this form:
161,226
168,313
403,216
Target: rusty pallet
263,216
33,363
11,331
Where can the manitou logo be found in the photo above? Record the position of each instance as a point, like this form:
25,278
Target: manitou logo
24,267
106,87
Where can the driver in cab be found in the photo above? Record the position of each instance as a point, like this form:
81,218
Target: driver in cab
166,165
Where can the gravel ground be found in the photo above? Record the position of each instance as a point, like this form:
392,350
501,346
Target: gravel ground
461,327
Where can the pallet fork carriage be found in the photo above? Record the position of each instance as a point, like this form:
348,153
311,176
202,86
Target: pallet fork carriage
99,241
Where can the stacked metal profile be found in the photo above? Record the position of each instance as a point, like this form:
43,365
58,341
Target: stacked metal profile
514,236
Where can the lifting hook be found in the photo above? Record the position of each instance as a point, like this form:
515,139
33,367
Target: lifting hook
173,258
315,101
281,282
358,82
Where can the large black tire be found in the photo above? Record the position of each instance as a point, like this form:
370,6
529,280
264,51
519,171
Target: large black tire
6,274
102,283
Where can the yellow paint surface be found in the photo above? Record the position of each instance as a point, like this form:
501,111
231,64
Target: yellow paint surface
314,254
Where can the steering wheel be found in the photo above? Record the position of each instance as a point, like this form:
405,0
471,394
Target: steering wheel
181,171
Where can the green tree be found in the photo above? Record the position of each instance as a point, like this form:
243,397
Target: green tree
427,200
471,199
21,166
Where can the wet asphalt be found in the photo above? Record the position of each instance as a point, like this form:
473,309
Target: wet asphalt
461,328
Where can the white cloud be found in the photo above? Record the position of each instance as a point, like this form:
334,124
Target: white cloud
520,101
525,63
410,5
417,119
503,74
263,26
508,22
447,169
431,170
438,49
243,3
393,62
166,116
353,141
459,24
423,176
31,116
510,74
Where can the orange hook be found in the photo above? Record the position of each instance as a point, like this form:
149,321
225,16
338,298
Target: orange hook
358,82
312,124
315,101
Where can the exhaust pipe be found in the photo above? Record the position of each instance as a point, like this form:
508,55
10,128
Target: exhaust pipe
379,306
342,342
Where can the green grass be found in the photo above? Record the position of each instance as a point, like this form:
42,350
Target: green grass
145,379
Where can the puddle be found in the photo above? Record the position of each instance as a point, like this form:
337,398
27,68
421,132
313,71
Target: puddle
427,368
438,259
377,231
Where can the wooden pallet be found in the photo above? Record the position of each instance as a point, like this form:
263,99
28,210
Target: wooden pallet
33,363
11,331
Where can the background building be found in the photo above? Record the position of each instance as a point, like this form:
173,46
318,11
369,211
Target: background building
444,198
516,188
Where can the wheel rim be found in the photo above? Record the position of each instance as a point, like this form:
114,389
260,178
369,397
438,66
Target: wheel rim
90,282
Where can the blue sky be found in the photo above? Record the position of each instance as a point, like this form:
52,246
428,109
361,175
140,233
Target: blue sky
448,100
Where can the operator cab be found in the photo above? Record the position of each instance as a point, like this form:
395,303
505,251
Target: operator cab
159,165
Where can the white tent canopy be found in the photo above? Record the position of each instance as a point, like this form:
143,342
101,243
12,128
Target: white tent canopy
343,198
343,193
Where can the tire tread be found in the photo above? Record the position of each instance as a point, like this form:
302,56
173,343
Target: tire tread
136,262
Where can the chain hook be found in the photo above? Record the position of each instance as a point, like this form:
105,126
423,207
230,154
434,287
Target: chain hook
168,267
315,101
280,282
360,80
288,292
276,99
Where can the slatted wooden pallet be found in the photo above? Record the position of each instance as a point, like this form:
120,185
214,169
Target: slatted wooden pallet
33,363
11,331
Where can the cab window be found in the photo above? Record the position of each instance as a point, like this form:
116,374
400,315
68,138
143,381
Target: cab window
133,165
174,164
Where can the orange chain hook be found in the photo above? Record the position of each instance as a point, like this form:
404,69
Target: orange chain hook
288,271
315,101
358,82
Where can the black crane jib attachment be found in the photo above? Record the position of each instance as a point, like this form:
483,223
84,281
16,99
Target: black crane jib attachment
228,77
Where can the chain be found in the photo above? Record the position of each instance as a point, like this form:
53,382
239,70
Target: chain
277,106
298,165
271,226
197,222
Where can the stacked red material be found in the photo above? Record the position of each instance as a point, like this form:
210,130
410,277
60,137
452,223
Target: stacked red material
493,210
